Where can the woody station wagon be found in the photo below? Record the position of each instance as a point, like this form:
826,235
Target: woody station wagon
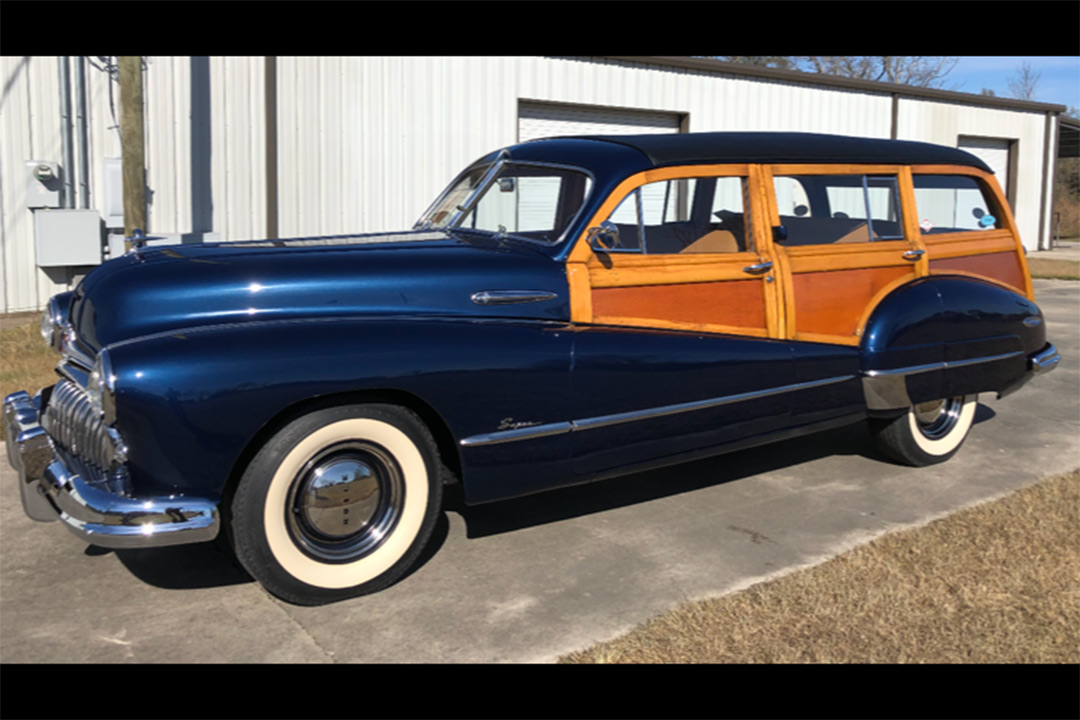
569,309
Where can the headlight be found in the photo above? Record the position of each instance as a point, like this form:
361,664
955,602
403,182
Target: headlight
100,388
55,319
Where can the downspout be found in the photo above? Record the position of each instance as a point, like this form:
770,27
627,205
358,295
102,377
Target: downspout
270,110
895,121
84,150
65,132
1048,144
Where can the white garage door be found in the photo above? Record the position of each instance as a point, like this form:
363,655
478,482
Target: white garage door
992,151
538,120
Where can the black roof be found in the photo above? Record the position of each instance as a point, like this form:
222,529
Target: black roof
786,147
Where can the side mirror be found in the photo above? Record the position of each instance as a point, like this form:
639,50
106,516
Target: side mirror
605,237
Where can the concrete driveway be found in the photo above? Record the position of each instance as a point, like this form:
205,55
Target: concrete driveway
529,580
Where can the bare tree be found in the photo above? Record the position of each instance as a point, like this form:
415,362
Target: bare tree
1025,84
920,71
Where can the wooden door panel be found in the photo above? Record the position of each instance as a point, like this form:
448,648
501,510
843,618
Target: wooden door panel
735,304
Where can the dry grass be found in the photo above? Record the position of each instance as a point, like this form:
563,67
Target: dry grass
25,361
1060,269
998,583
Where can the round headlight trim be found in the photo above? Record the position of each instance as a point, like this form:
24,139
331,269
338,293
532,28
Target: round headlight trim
101,388
48,326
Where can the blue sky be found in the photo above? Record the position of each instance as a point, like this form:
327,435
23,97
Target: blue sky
1059,83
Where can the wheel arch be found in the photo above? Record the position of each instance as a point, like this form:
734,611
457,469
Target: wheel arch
436,424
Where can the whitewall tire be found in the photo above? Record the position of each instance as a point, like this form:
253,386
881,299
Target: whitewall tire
338,503
927,433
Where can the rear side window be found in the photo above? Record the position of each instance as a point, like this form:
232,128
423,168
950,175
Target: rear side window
953,203
828,209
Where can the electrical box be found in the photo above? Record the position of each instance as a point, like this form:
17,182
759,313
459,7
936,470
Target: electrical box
44,187
67,237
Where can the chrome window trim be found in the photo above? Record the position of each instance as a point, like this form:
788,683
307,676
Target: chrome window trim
493,171
600,421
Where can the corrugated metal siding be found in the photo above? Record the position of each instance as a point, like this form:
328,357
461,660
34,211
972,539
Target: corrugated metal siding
364,144
29,130
413,123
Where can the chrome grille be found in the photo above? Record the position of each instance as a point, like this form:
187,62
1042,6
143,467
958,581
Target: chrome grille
74,425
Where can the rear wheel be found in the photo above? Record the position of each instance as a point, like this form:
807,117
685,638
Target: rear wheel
339,503
927,433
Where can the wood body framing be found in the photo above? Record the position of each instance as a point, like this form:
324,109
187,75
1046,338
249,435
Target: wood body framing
816,293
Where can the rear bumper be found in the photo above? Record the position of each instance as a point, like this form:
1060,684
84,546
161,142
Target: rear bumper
1045,361
53,488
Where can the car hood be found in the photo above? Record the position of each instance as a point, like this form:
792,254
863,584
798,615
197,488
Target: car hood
169,288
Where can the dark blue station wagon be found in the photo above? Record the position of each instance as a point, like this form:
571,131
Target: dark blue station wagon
568,309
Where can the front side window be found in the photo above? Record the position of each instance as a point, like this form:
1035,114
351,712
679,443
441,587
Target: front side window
685,216
533,201
953,203
827,209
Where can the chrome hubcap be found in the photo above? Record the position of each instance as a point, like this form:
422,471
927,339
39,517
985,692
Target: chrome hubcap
938,417
345,502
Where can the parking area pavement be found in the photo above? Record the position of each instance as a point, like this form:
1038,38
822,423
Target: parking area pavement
532,579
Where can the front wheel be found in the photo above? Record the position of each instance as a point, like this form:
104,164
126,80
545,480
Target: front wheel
927,433
338,503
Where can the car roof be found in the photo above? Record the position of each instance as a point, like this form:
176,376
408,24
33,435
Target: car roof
783,147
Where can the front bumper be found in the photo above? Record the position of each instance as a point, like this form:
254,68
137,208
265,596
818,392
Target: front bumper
52,488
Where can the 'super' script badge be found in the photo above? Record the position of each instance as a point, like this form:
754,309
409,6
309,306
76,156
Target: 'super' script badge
511,424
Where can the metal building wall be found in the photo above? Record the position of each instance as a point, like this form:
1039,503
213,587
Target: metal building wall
364,144
205,154
29,130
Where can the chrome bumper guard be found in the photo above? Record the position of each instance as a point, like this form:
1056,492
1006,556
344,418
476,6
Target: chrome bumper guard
51,490
1045,361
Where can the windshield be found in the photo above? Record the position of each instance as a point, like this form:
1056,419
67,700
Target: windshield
536,202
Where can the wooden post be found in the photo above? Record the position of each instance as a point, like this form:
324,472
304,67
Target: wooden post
132,145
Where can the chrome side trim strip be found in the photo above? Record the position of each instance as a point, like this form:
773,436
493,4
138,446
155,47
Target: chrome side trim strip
887,389
945,365
529,433
511,297
539,431
606,420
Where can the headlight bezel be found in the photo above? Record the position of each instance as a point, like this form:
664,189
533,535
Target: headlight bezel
54,320
101,388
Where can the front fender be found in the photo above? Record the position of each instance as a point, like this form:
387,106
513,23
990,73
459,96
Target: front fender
943,336
188,403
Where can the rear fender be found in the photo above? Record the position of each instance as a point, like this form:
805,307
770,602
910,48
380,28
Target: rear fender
944,336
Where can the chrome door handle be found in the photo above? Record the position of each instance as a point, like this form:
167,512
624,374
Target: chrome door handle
914,254
758,269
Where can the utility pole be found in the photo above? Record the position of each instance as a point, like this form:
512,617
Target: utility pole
132,144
